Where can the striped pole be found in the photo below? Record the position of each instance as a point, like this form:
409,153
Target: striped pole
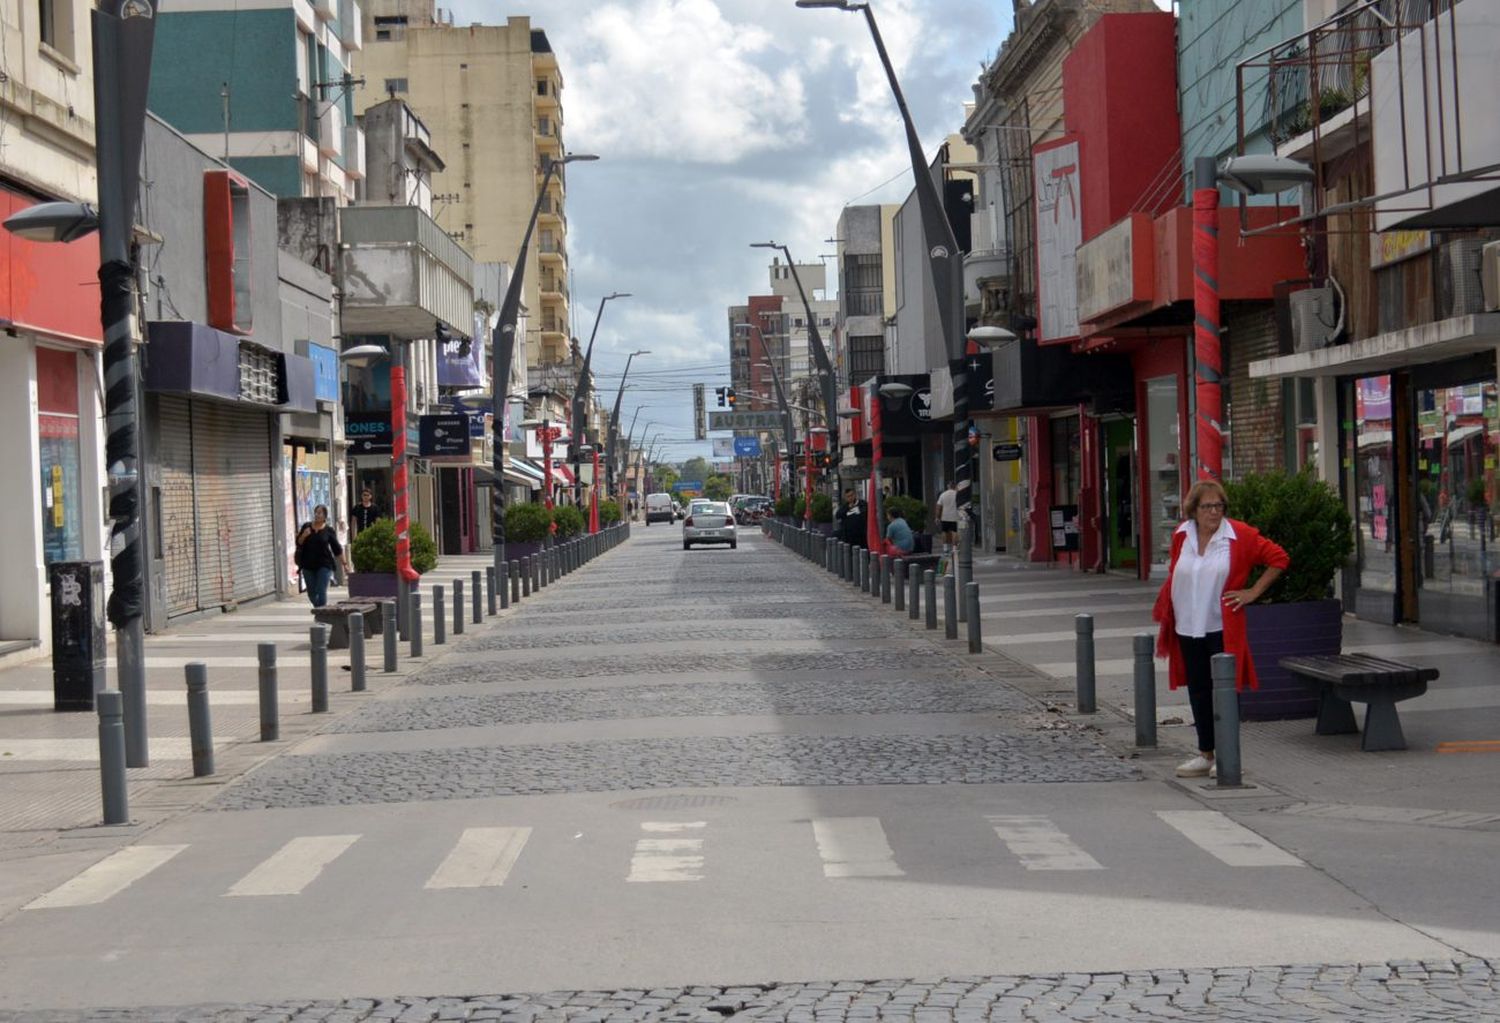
1208,361
405,574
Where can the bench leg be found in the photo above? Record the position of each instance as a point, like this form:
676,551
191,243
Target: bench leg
338,634
1335,716
1382,728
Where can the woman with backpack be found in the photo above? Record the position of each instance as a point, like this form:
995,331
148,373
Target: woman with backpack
318,554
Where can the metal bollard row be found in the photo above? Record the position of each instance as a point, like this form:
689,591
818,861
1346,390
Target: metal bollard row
388,633
416,624
439,622
270,723
1083,660
1226,721
357,652
1143,645
200,726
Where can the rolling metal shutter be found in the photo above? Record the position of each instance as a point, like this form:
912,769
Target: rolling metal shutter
177,526
235,504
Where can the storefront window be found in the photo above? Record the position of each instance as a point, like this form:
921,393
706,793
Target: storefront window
1164,487
1375,483
57,435
1067,464
1456,450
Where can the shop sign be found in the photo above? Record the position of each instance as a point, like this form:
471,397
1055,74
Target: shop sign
1059,232
747,447
1387,247
325,372
1006,452
1115,268
368,433
1064,520
444,435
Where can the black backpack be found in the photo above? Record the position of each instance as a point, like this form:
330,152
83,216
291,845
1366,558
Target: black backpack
304,555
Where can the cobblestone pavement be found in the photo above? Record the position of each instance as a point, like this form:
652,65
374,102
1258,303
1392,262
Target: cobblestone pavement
744,610
506,667
1394,992
696,762
700,699
774,630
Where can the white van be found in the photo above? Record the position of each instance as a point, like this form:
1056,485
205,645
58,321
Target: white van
658,508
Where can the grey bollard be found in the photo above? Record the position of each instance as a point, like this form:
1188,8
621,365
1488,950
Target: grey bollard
388,633
525,576
513,569
875,573
898,586
200,727
914,598
885,578
831,555
318,638
1226,721
847,566
971,602
950,607
1145,689
111,706
964,570
458,607
1083,662
540,582
356,652
270,723
477,610
416,624
492,601
862,572
439,622
929,597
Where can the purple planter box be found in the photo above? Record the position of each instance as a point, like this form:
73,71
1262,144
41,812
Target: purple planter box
519,550
1306,629
372,584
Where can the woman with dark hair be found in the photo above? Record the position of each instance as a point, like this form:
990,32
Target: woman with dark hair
1201,606
318,554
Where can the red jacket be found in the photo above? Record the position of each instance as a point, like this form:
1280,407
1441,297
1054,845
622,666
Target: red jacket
1247,550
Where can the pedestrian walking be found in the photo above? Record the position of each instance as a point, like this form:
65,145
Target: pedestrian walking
1201,606
319,553
947,517
850,519
365,514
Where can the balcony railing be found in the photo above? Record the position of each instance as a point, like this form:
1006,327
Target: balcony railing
403,273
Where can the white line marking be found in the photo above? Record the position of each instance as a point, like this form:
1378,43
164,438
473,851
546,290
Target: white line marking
854,847
1041,845
157,698
108,877
293,867
482,858
1070,636
1066,612
219,662
1221,837
667,859
87,750
1035,596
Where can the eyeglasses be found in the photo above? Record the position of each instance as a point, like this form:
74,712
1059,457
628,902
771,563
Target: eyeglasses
1211,506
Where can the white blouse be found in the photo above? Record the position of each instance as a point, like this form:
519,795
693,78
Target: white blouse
1198,582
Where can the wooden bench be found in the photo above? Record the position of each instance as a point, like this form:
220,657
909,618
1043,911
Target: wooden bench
336,617
1361,678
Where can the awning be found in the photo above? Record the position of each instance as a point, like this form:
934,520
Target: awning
1414,346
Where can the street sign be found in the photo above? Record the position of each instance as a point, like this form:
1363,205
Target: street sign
1006,452
696,486
747,447
745,420
444,434
700,431
369,433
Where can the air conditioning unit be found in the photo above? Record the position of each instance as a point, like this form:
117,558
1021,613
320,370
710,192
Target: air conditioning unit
1490,274
1314,318
1460,288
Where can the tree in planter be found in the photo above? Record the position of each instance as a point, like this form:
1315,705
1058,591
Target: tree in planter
799,508
785,505
609,512
910,509
374,549
822,508
527,523
569,521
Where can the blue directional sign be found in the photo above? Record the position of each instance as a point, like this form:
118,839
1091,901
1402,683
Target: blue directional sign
696,486
747,447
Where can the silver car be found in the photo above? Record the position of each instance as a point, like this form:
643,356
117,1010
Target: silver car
709,522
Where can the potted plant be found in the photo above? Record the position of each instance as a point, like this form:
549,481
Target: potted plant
1298,616
785,505
373,553
526,530
609,512
569,521
822,514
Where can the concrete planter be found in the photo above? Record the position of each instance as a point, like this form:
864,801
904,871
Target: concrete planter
372,584
517,550
1305,629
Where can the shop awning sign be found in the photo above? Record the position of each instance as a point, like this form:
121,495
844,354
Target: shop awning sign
368,433
444,435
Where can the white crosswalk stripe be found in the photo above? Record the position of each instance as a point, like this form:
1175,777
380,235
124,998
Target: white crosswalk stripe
292,867
1222,838
854,847
668,859
107,878
1041,845
482,858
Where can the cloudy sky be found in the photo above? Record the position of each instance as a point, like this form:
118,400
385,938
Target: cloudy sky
724,122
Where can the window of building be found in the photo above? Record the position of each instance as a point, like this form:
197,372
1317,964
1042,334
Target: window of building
390,28
541,86
866,358
58,439
543,125
55,25
395,85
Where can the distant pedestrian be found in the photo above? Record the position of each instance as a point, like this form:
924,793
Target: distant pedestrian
899,539
1201,606
851,519
319,553
947,516
365,514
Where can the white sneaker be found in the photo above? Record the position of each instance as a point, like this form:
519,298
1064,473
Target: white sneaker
1213,770
1198,767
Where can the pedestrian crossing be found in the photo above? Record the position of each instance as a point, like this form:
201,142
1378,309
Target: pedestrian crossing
678,852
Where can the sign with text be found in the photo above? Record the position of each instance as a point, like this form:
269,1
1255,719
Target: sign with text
1059,232
700,430
724,447
368,433
1115,268
747,447
444,434
1006,452
738,420
683,486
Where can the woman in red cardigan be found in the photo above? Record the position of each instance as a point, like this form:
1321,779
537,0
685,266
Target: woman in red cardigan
1201,606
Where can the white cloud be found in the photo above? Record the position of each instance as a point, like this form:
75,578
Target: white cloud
676,79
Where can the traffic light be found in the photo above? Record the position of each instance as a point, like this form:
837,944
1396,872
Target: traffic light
719,392
729,393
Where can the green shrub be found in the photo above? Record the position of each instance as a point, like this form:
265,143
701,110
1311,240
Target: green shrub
785,505
374,549
1475,492
912,510
569,520
799,508
527,523
1304,515
822,508
609,512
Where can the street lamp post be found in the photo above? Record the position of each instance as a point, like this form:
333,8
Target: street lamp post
614,417
502,350
582,393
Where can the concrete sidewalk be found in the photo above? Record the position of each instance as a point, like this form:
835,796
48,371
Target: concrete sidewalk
49,775
1028,611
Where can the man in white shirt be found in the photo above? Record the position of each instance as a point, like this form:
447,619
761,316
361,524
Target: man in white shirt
947,515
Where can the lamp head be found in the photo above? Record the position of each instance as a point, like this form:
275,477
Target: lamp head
362,355
895,389
840,5
764,245
1265,173
578,158
848,413
616,294
990,337
54,222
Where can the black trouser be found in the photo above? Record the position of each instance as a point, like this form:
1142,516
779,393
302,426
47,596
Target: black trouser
1197,660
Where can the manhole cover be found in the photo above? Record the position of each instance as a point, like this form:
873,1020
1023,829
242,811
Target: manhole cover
673,802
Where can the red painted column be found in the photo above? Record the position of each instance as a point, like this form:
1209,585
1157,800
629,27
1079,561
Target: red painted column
877,451
594,497
1208,428
398,474
807,466
546,435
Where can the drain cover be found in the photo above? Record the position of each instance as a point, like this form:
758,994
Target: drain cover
673,802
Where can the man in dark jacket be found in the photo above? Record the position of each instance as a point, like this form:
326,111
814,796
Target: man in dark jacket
851,519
